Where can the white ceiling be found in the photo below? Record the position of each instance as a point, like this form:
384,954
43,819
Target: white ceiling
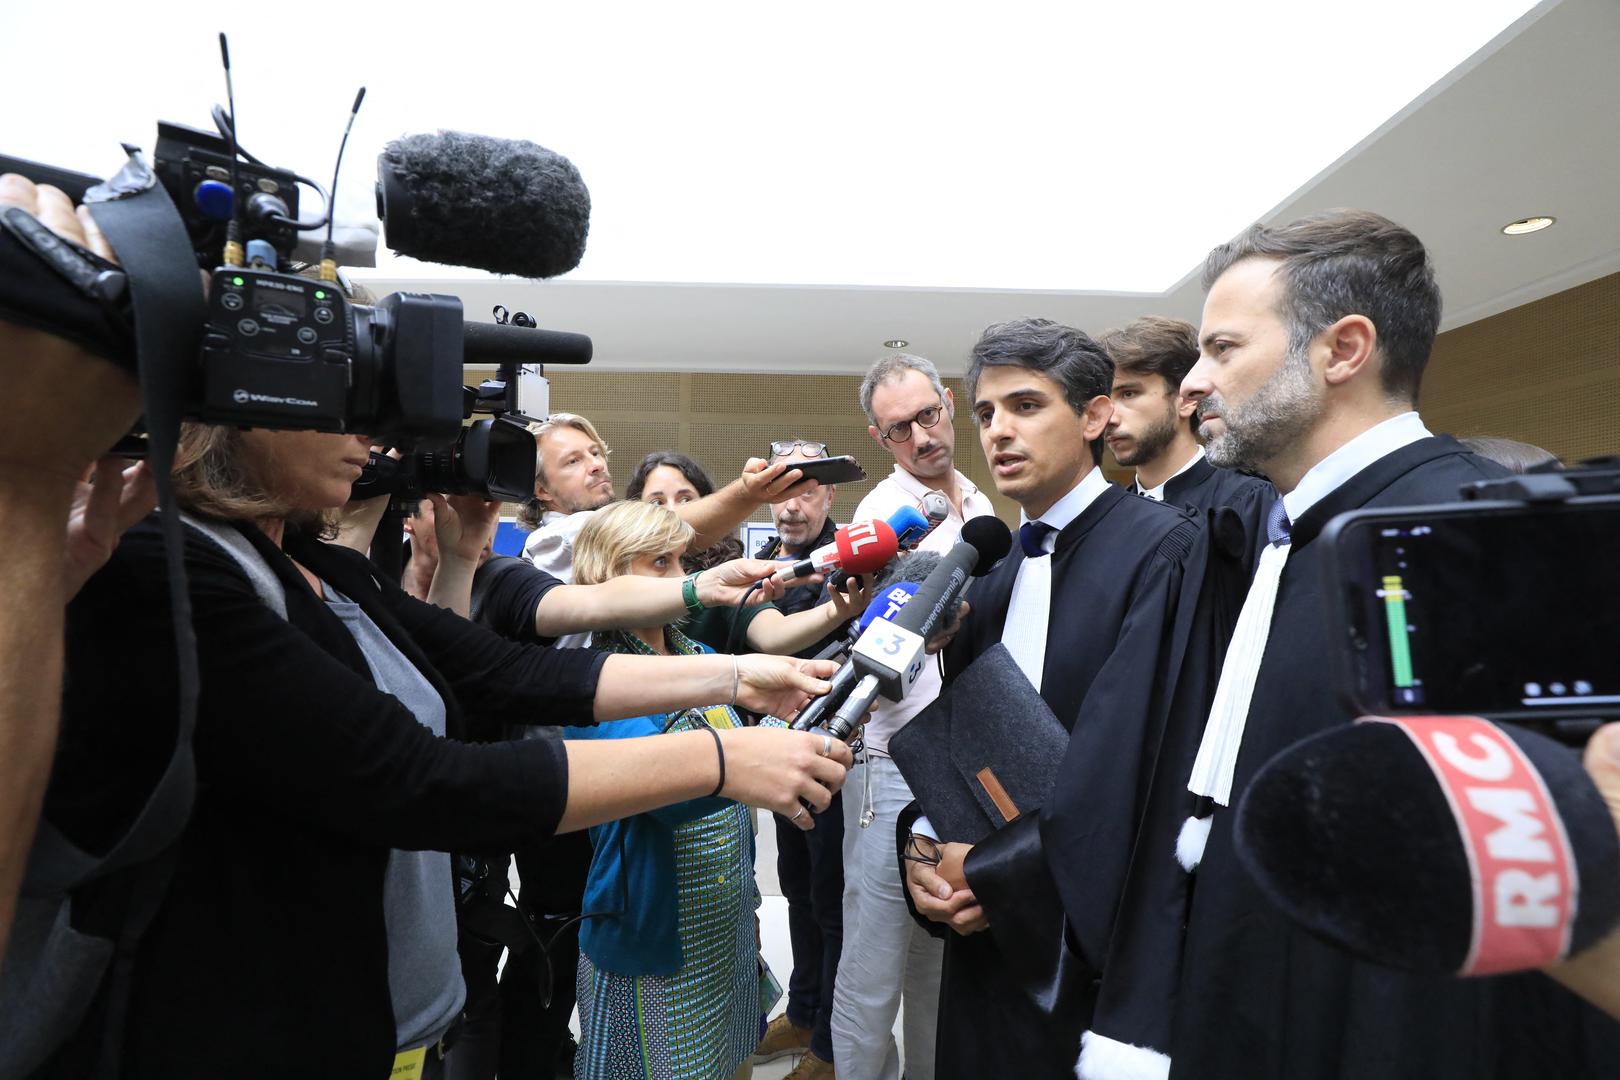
1527,125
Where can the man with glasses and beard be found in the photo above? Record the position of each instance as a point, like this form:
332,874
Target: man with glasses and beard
889,958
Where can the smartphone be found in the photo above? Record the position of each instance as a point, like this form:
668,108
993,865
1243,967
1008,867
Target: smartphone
832,470
1506,610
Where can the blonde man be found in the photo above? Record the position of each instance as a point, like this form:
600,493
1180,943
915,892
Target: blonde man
572,480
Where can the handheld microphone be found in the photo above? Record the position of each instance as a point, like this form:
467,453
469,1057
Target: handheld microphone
861,548
890,654
909,571
1435,844
503,205
885,605
936,508
910,525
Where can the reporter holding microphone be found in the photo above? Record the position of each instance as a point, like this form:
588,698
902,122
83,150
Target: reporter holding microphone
308,925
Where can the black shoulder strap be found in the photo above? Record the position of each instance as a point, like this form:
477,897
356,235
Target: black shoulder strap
143,226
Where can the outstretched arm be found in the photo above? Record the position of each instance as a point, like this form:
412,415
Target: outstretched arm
769,767
714,517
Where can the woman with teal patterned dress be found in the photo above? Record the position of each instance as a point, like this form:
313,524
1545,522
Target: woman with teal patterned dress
669,974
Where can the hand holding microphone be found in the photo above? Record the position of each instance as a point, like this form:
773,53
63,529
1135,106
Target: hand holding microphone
886,605
890,654
864,547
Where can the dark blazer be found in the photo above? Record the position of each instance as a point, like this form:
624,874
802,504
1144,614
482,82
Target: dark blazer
269,954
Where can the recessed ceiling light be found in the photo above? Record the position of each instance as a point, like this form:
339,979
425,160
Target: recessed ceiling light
1527,225
895,343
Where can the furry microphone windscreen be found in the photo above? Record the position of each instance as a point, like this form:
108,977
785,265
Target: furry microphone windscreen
991,538
503,205
1435,844
909,566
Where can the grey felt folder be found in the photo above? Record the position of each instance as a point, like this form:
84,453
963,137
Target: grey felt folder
986,752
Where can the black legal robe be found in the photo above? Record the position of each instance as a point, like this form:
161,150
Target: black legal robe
1261,999
1015,999
1204,486
1229,499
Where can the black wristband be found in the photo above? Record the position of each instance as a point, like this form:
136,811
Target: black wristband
720,753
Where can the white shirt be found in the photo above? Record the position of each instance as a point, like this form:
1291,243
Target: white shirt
551,548
899,489
1329,474
1157,493
1024,631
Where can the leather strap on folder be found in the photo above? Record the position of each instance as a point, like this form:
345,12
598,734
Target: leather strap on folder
998,794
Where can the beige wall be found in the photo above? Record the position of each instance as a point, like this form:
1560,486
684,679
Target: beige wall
724,419
1546,373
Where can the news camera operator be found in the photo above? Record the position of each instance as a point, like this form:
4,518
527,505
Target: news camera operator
53,482
300,931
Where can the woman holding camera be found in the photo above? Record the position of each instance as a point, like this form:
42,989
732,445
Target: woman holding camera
308,925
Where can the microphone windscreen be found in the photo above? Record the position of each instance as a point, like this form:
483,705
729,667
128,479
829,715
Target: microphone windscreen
1435,844
991,538
914,566
503,205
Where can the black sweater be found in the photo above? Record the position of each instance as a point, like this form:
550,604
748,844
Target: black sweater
269,955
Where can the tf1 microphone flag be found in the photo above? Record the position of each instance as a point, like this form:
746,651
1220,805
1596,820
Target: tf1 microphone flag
1435,844
862,548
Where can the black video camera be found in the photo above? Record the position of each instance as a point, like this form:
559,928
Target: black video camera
494,458
1505,605
268,347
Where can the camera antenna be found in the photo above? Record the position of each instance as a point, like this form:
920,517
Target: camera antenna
233,228
328,249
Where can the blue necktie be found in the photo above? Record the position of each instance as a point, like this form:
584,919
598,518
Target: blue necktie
1278,525
1032,536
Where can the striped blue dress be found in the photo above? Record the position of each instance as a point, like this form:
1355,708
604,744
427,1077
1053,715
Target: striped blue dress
702,1022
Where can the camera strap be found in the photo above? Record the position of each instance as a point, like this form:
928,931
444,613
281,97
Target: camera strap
142,224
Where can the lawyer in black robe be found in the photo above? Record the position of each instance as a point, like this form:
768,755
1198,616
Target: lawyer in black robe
1261,999
1015,998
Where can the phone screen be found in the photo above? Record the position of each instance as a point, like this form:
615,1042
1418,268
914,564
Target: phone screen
1511,611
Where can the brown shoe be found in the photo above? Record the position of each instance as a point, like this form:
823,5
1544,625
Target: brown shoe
782,1037
811,1067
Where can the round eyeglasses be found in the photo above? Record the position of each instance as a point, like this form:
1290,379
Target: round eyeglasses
784,447
901,431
